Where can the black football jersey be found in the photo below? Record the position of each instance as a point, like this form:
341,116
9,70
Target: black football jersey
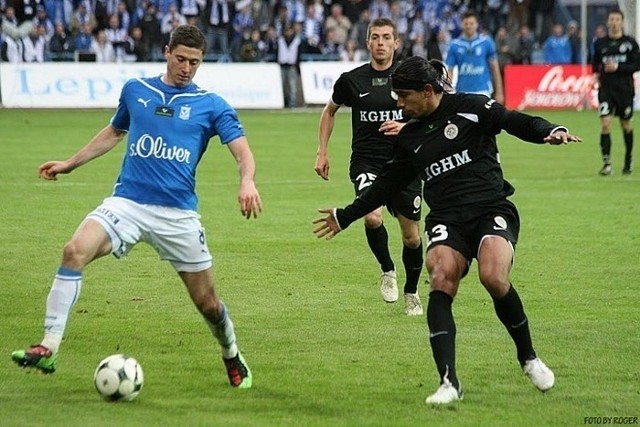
623,51
454,151
368,93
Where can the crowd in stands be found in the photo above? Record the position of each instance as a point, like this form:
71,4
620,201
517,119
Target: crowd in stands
285,31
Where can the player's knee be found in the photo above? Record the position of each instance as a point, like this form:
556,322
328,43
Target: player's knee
441,280
208,306
73,257
411,240
373,221
494,282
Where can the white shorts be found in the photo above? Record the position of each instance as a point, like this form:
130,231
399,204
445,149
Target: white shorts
176,234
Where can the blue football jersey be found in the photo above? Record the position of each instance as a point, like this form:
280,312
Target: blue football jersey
472,59
169,130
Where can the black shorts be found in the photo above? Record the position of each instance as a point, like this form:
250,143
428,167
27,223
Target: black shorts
615,102
407,203
463,229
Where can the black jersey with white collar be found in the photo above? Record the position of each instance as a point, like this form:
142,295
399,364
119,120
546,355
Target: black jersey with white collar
454,151
368,93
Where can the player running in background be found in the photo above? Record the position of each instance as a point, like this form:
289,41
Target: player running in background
375,120
615,58
475,58
170,121
451,145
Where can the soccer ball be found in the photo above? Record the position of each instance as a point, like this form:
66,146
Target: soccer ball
119,377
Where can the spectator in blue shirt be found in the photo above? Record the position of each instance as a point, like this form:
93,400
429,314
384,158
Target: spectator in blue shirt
557,47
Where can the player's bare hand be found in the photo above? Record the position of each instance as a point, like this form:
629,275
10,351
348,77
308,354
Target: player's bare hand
391,127
51,169
249,200
327,226
562,137
322,166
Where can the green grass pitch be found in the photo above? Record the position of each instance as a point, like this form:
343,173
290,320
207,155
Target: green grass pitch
325,350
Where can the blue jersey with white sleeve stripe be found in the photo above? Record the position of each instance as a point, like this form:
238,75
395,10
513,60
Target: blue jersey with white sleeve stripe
471,57
169,130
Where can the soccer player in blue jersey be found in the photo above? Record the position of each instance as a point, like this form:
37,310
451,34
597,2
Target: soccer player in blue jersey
474,56
170,121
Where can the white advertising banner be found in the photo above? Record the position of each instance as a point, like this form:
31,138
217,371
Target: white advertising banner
318,79
93,85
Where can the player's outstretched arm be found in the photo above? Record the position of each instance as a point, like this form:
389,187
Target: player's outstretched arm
561,136
248,196
328,225
100,144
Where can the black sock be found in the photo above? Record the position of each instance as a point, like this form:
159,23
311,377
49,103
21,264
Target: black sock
412,260
628,143
378,240
605,147
442,335
511,313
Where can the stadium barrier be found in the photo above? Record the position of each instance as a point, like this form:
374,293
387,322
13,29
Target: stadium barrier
259,85
543,87
91,85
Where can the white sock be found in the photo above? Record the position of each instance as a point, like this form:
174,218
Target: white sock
62,296
224,333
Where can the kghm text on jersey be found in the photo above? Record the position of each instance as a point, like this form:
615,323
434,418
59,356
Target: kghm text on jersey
380,116
447,164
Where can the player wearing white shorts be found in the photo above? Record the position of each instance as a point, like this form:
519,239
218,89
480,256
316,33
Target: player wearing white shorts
170,121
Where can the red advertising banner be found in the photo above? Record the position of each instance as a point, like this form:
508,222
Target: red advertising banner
549,87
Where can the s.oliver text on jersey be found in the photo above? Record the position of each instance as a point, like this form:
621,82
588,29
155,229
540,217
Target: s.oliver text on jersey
147,146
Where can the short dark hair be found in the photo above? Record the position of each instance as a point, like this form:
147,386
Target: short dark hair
382,22
189,36
617,12
416,72
469,14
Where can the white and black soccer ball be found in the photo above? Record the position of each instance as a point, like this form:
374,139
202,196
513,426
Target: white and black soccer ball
119,377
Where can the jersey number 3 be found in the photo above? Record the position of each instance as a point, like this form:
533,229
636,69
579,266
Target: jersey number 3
438,233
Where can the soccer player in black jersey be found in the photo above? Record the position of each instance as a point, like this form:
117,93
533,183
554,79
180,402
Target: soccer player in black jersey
375,121
615,58
451,144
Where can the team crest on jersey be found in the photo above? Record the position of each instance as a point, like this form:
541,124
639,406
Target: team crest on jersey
417,202
625,47
450,131
185,113
379,81
478,51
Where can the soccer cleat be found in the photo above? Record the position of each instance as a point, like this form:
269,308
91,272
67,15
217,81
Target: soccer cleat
540,375
389,286
36,356
627,168
606,169
412,305
238,372
445,394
